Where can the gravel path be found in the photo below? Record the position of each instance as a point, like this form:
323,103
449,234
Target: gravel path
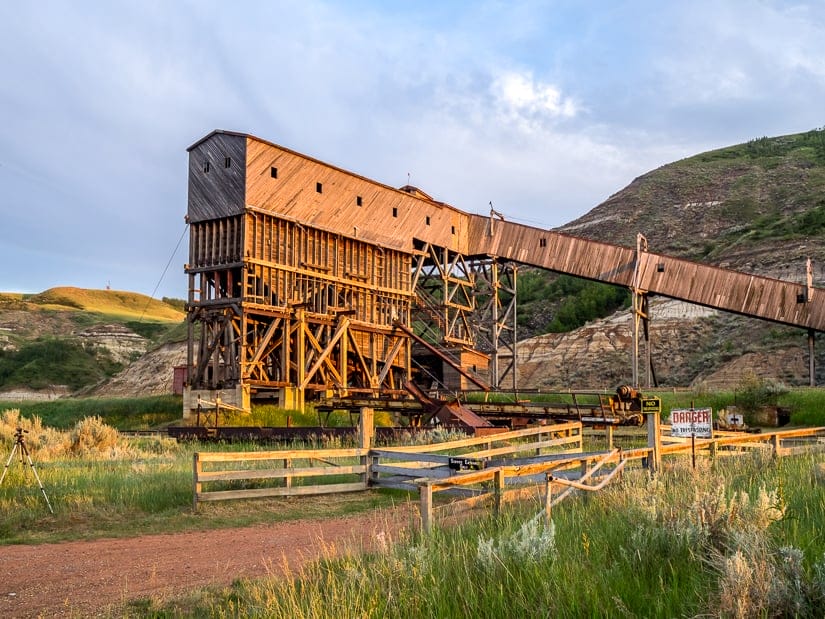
96,578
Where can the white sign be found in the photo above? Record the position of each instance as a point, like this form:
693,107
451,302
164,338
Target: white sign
687,422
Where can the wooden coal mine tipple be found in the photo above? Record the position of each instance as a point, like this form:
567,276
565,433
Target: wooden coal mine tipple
303,278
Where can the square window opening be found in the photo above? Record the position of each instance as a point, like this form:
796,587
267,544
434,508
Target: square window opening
319,187
359,201
395,211
273,172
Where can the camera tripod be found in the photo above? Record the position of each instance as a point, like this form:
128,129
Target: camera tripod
20,442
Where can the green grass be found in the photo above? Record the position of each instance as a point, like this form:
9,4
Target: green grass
55,361
739,538
121,413
115,303
134,487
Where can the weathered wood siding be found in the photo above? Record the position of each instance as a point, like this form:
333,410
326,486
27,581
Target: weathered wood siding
741,293
327,272
316,194
217,175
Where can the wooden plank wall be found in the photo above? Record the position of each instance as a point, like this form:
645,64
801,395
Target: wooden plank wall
732,291
294,263
217,173
316,194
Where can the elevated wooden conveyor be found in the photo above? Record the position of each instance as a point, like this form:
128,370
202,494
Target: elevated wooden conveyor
766,298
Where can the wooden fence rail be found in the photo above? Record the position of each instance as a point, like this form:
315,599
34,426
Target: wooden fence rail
333,462
411,463
496,479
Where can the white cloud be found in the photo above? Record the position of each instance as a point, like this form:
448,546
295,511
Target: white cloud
519,95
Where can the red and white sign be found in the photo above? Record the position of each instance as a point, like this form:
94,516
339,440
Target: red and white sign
687,422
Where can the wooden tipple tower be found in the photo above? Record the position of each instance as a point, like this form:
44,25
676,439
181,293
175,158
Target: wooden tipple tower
303,278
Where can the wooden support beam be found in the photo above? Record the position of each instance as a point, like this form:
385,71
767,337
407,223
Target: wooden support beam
324,354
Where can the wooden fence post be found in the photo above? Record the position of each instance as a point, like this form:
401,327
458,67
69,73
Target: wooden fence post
499,490
777,446
654,441
548,498
197,468
426,506
366,430
609,435
287,479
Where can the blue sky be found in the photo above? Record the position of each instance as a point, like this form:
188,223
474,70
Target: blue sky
544,108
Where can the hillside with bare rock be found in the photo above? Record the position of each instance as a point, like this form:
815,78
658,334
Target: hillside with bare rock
69,341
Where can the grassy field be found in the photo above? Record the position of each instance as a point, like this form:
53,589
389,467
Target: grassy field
103,484
114,303
739,538
736,537
120,413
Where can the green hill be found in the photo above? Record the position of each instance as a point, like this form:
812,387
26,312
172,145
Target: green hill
76,337
114,303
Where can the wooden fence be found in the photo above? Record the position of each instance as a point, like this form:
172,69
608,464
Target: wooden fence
410,463
280,466
478,469
490,483
320,470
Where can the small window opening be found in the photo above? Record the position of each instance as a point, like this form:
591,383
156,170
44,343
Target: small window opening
319,187
452,229
428,220
395,211
359,201
206,166
542,242
227,162
273,172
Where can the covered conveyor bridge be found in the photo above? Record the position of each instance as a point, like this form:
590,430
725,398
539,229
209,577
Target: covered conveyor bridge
789,303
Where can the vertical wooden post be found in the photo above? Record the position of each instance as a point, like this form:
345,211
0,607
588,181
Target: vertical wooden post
714,447
777,446
654,442
287,478
548,498
609,435
373,474
425,506
499,490
540,437
197,469
366,429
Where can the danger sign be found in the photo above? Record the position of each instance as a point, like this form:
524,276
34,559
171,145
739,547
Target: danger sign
686,422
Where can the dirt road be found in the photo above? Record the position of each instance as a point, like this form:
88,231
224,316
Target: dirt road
96,578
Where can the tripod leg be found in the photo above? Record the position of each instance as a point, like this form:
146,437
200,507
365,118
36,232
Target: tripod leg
6,470
37,477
